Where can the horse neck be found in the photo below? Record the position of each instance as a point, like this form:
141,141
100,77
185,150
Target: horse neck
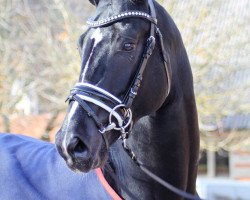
162,142
167,141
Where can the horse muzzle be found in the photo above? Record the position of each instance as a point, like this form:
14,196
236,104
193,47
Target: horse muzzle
76,153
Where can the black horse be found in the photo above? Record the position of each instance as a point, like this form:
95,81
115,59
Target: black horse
163,131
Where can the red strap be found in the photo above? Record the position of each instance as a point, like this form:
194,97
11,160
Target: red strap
106,185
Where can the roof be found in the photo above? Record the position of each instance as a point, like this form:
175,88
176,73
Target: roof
237,122
233,122
32,125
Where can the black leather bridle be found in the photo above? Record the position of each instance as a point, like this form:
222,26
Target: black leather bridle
120,110
120,114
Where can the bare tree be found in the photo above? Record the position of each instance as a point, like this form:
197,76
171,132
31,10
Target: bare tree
39,61
216,35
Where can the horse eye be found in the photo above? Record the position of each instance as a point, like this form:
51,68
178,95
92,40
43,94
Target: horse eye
128,46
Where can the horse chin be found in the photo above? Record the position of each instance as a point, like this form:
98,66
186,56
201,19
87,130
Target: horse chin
78,165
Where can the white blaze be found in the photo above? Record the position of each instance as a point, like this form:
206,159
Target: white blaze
70,115
97,37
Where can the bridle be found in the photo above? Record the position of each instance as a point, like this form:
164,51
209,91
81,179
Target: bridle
120,114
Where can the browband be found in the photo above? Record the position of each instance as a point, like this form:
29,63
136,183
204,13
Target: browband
128,14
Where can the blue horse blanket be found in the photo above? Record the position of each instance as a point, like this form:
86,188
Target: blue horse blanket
33,170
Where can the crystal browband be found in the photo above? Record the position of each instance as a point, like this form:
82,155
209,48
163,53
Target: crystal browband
115,18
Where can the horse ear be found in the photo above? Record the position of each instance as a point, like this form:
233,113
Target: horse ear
94,2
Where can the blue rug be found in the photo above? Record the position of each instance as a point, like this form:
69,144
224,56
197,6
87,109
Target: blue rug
31,169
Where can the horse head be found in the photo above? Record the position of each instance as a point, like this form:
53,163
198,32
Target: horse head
113,90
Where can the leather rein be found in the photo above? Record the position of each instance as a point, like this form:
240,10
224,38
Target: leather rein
120,114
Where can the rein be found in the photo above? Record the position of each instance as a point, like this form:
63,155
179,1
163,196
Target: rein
120,114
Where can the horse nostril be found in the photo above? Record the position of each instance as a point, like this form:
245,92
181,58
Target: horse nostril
77,147
80,147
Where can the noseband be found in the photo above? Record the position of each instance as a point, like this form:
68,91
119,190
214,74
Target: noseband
120,114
